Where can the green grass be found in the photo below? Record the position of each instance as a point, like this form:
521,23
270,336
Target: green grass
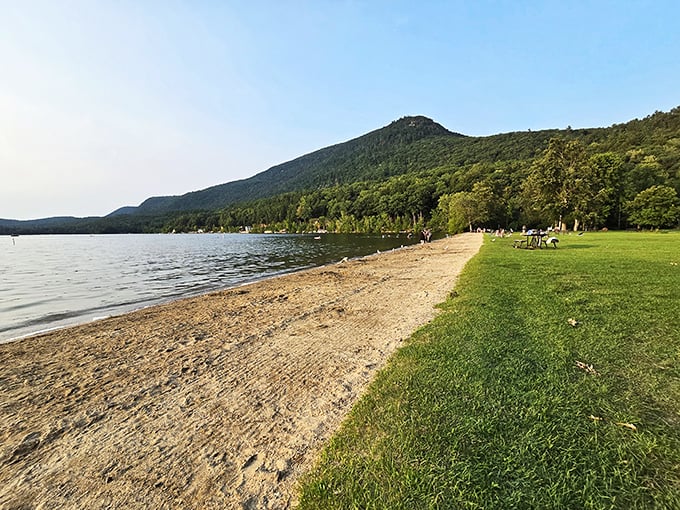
486,408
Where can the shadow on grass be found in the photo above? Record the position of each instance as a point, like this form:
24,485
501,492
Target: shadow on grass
563,247
577,246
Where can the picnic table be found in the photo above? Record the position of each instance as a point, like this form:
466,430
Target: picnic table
533,239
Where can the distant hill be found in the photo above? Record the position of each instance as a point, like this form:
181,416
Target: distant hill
406,146
39,225
123,210
378,154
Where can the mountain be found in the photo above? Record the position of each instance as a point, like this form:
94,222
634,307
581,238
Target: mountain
378,154
410,146
405,145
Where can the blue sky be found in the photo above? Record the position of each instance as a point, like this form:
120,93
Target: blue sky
106,103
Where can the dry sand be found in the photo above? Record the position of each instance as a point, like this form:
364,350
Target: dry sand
218,401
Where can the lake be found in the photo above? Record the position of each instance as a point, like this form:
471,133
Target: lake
51,281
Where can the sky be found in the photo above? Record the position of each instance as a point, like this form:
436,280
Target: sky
104,104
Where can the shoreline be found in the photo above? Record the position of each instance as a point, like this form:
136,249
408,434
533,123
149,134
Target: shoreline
79,316
124,310
210,401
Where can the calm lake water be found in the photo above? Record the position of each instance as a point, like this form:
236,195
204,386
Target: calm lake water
50,281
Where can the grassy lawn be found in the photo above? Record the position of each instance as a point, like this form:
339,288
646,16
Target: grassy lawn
502,403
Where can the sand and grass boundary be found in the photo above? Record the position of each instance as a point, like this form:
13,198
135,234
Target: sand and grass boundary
217,401
551,379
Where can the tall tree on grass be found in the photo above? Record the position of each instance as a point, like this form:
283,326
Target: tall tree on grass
549,190
565,182
464,209
655,207
596,189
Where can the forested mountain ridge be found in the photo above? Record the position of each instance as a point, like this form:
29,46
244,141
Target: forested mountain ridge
378,154
621,176
396,176
410,144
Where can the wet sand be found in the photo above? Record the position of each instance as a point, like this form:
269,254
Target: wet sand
217,401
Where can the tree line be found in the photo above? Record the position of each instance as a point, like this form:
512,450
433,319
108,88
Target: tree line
414,174
569,183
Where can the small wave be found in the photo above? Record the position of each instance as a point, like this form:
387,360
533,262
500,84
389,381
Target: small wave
135,271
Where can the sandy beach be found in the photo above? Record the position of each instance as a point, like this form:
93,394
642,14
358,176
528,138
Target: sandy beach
218,401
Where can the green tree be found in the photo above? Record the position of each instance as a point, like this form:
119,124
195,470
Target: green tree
596,189
655,207
565,182
462,210
646,172
304,209
467,208
549,190
440,216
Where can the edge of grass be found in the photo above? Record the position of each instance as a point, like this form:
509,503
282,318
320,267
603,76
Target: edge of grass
488,407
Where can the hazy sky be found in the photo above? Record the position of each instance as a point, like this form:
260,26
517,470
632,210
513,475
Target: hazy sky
106,103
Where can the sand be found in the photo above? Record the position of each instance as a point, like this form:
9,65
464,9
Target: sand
217,401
